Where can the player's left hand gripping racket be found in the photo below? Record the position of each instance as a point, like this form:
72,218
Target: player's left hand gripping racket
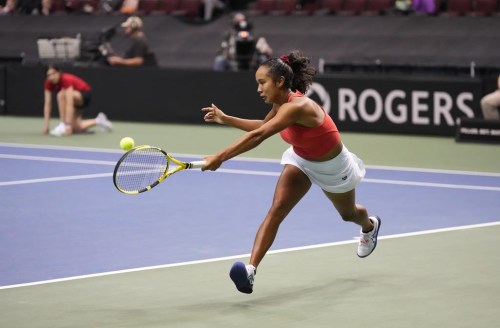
144,167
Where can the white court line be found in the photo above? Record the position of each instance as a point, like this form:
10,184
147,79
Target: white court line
260,173
230,171
54,147
243,158
431,184
58,159
66,178
219,259
382,181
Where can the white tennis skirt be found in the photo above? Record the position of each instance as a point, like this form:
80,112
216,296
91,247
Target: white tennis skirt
338,175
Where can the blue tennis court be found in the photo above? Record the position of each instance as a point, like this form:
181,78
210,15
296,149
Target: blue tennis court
61,216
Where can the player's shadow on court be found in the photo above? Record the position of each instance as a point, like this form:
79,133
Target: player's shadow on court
338,287
280,294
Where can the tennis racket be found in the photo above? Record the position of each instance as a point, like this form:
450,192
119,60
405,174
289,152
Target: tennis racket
143,167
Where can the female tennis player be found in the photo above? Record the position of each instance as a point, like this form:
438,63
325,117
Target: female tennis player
317,155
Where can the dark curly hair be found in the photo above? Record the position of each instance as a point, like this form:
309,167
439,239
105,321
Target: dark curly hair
295,68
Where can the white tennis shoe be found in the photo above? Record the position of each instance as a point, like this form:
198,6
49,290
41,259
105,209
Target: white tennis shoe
103,122
368,241
59,130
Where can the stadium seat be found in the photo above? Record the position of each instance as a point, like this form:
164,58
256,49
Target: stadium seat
378,6
309,7
354,7
264,7
87,6
147,7
285,7
92,3
485,7
459,7
58,7
189,8
167,6
332,6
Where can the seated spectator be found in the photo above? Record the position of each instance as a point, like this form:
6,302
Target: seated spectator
424,6
129,7
7,6
209,6
76,6
415,6
490,104
109,6
138,54
46,7
26,7
402,6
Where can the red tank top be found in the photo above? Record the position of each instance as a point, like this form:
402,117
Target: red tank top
311,143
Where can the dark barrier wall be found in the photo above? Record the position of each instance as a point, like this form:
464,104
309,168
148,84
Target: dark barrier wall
369,104
3,87
145,95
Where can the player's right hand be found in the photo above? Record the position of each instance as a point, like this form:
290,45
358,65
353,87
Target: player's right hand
213,162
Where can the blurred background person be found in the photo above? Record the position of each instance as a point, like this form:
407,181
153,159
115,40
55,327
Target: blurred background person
73,95
129,7
7,6
209,6
240,49
26,7
226,59
424,6
263,52
138,54
403,6
490,104
109,6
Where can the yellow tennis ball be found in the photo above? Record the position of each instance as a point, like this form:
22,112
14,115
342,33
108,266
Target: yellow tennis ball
127,143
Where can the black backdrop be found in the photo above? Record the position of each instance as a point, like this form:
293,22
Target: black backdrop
3,87
407,105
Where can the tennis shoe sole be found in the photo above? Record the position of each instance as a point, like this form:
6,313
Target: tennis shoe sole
239,276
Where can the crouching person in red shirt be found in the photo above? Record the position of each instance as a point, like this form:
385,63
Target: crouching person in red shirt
73,95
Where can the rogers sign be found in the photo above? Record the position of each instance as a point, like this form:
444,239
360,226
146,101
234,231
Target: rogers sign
431,107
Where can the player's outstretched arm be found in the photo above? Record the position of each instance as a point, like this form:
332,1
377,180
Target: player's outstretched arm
274,123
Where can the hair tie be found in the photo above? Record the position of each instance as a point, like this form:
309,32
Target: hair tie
285,59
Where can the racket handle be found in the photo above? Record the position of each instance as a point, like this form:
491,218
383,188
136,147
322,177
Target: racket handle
196,164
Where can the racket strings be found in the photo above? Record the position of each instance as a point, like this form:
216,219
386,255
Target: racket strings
141,168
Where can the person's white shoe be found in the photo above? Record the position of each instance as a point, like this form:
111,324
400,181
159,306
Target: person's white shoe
368,241
59,130
103,122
